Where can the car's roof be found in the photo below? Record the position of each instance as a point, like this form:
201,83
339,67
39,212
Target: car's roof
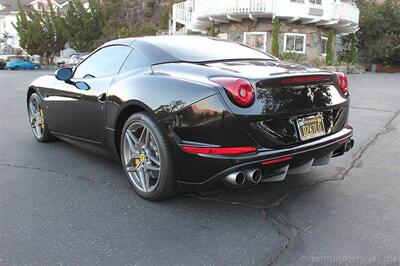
184,48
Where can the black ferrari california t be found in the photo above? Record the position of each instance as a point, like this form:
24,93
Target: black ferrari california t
184,112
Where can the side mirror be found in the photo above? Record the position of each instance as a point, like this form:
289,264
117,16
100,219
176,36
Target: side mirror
64,73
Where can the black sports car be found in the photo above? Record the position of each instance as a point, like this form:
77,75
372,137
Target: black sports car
185,112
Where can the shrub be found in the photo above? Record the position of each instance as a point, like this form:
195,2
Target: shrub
349,51
137,30
319,62
294,58
123,32
164,18
148,12
151,3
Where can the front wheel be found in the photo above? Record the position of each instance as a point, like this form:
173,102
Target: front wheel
147,159
37,121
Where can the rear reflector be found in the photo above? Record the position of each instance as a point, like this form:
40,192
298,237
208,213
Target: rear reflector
283,159
305,79
219,151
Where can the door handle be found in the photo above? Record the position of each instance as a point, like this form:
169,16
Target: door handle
102,98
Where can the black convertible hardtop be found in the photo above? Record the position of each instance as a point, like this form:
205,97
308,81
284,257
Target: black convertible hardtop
196,49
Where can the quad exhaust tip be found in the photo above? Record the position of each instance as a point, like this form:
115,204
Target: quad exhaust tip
254,175
236,178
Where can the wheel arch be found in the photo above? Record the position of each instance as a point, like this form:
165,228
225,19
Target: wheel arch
31,90
128,109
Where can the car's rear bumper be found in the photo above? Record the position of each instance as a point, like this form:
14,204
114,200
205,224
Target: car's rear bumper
297,159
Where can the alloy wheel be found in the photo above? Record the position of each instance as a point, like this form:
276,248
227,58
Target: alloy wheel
36,117
141,157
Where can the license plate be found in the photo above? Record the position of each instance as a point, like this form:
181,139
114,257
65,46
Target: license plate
311,127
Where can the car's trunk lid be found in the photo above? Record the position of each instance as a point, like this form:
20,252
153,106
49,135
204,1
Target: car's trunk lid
285,93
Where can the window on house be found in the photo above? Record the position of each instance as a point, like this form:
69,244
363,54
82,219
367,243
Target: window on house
257,40
297,1
295,43
324,42
315,2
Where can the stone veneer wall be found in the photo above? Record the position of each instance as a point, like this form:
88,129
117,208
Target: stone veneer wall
235,31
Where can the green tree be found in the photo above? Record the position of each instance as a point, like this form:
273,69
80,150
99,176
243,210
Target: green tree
275,37
53,32
29,28
329,49
164,18
60,29
211,32
349,51
84,26
137,30
41,32
22,26
165,14
378,39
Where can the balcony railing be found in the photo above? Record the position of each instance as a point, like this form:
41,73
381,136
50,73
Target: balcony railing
226,7
347,12
191,13
181,13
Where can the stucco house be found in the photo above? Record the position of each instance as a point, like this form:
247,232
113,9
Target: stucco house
304,24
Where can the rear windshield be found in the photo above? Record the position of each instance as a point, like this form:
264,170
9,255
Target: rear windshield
203,49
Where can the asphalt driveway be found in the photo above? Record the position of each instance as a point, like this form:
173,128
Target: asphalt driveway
60,205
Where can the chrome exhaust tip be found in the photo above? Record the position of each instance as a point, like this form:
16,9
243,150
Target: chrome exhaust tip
236,178
349,145
254,175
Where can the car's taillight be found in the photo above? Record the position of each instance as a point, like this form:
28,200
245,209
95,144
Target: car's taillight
343,82
239,90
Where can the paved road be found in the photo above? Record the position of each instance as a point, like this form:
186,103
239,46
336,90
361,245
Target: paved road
60,205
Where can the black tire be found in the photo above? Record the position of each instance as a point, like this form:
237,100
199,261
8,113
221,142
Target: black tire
166,186
46,136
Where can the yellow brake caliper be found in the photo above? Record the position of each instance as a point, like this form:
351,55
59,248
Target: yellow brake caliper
41,117
137,161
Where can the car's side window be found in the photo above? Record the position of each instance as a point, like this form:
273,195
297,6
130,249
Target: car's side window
105,62
133,62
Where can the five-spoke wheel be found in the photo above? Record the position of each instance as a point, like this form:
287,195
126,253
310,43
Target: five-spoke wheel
37,120
36,116
142,157
146,158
